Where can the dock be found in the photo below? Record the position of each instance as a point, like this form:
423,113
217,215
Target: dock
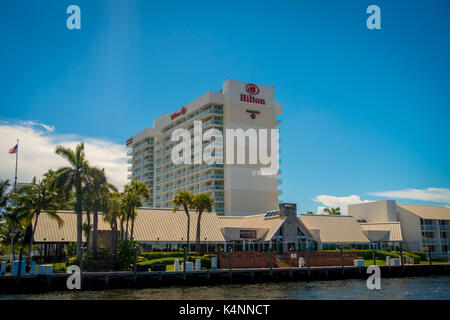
28,284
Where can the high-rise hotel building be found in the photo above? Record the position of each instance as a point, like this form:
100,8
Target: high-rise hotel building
235,188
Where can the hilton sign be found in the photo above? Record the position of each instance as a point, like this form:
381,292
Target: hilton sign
177,114
252,91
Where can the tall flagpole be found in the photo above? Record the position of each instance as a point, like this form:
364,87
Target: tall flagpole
17,158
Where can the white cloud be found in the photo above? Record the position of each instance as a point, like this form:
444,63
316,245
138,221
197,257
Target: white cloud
334,201
37,143
439,195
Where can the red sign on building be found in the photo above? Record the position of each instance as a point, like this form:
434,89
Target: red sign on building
252,90
178,113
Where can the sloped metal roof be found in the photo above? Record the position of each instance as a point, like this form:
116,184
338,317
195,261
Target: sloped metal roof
166,225
333,229
150,225
427,212
393,228
47,229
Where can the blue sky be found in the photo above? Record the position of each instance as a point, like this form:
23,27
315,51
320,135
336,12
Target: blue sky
364,111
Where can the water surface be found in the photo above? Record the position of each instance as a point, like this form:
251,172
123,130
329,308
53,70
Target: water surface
432,287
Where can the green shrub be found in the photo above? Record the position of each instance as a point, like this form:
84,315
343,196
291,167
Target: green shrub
125,254
412,255
422,255
166,261
205,260
72,260
368,254
101,260
59,267
158,255
71,249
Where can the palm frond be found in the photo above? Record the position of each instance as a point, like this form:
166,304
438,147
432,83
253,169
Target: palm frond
67,154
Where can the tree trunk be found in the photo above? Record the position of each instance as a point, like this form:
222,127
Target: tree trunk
88,233
79,212
94,233
33,229
12,245
126,230
132,225
121,229
197,238
114,235
188,228
79,236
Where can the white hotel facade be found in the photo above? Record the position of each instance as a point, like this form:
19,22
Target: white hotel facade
236,189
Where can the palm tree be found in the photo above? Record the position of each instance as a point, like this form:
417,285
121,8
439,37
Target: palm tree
102,192
4,201
4,196
11,228
34,199
73,177
95,197
112,212
202,202
184,199
64,197
333,211
135,194
128,201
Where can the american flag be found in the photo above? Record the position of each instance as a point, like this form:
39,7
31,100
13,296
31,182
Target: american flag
14,150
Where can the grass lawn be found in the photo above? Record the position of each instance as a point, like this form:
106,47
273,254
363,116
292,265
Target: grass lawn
370,262
59,266
435,262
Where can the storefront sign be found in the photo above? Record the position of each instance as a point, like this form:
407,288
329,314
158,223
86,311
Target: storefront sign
247,234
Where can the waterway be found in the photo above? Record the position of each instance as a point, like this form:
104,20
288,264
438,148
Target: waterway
421,288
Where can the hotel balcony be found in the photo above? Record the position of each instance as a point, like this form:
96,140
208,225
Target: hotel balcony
143,145
428,227
431,241
212,110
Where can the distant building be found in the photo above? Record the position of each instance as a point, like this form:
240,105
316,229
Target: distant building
422,226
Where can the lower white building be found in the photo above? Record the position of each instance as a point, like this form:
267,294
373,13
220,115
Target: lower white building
422,226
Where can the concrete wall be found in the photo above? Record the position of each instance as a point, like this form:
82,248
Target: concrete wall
378,211
410,224
247,191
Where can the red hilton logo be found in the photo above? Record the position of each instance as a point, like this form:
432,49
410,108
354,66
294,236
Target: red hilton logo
252,91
